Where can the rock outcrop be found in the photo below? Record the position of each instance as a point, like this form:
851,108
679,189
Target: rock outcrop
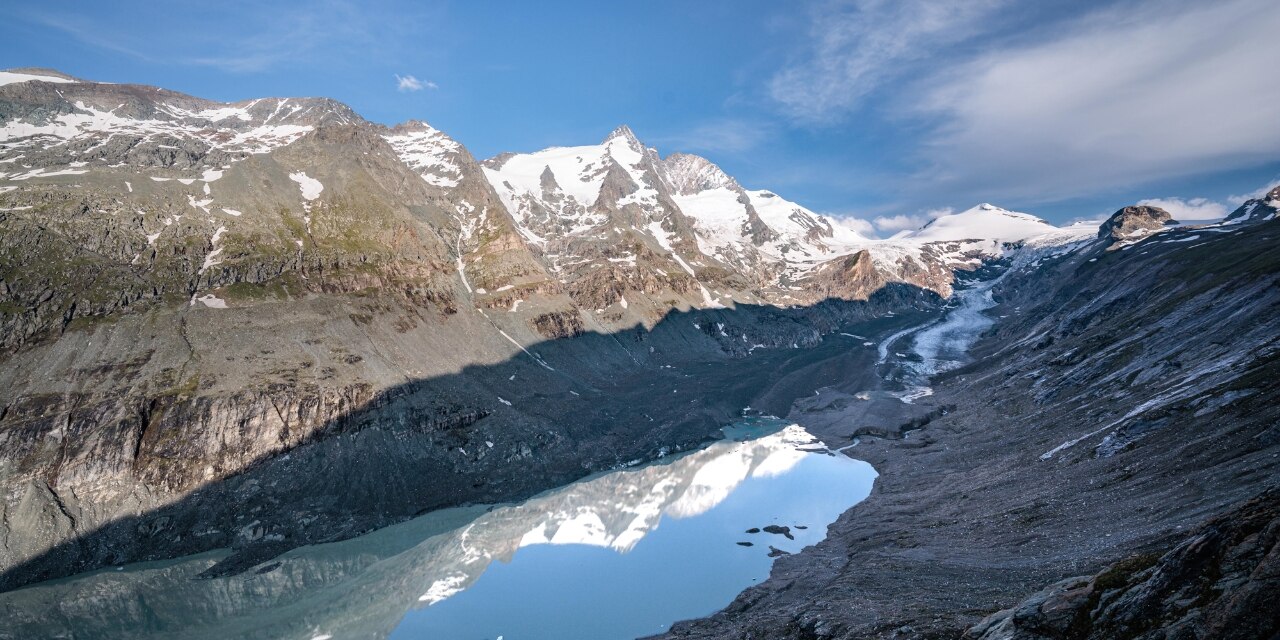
1134,222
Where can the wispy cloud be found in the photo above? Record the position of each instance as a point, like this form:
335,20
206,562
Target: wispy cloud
859,225
1236,199
1192,209
859,45
719,136
410,83
1120,97
251,38
993,100
86,33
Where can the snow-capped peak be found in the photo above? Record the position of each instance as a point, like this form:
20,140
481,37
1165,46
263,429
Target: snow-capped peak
623,132
982,222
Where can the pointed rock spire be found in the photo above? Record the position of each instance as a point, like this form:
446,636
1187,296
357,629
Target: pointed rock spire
624,133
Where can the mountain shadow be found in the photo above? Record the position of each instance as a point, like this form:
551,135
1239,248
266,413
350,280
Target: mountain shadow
490,433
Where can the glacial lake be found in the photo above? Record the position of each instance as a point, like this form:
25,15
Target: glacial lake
618,555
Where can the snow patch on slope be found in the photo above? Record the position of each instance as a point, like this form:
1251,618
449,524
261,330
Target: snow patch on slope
310,187
429,152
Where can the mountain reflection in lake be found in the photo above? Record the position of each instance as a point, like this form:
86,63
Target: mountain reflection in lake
618,555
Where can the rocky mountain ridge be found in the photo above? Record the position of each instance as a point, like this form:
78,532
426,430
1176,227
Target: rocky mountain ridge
640,236
1104,467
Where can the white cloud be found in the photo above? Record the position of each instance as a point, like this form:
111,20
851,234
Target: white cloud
410,83
856,224
1256,194
1123,96
903,222
1038,105
857,45
1189,210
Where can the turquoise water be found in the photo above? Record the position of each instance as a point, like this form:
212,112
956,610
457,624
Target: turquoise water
618,555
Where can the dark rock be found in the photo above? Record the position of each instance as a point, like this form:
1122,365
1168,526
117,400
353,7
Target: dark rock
780,531
1220,582
267,568
559,324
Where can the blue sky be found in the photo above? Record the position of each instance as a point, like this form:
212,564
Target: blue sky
888,111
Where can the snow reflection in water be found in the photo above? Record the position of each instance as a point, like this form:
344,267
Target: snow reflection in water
618,555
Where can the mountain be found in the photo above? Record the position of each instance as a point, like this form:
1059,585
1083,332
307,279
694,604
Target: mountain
983,222
271,323
1103,465
1257,209
749,245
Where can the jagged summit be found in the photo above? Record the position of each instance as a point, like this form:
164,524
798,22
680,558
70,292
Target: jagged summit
683,203
623,132
435,156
